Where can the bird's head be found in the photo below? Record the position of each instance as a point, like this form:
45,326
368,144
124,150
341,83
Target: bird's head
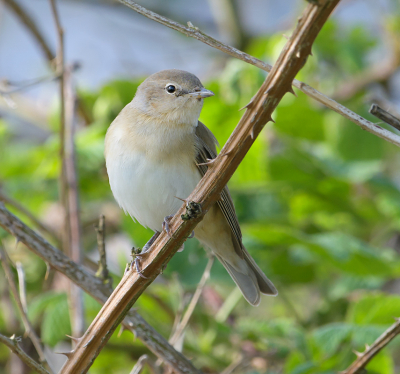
171,96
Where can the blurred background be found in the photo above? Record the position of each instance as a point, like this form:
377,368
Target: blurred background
318,198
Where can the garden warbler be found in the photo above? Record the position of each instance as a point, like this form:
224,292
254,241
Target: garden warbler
153,150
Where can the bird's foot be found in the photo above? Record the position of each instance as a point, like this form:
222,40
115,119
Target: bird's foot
136,253
165,225
193,210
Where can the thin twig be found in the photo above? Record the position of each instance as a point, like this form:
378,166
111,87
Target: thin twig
22,288
14,290
208,190
385,116
94,287
195,33
15,204
72,200
102,272
196,296
26,85
370,352
13,344
140,364
69,196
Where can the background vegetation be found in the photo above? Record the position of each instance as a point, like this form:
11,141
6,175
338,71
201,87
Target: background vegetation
317,197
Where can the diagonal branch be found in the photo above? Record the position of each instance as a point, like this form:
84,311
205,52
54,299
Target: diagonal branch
13,344
195,33
95,287
207,192
364,358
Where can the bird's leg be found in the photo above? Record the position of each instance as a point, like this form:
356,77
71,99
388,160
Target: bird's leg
136,253
150,242
165,225
191,235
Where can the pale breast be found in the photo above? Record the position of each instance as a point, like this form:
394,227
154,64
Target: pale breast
146,183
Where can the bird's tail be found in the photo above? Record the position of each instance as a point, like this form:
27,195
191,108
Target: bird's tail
249,278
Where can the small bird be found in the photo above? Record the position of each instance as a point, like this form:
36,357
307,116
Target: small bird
153,152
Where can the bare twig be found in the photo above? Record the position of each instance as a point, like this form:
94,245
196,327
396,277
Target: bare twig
207,192
180,328
72,199
22,288
68,177
370,352
15,204
26,85
8,87
13,344
102,272
385,116
14,290
141,363
94,287
195,33
27,20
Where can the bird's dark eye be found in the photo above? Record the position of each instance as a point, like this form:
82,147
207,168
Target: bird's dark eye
170,88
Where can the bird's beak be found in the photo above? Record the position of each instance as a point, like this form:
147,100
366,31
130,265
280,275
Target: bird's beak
203,93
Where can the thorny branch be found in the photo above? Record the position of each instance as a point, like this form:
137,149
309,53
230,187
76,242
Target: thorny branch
14,290
94,287
258,112
195,33
370,352
13,344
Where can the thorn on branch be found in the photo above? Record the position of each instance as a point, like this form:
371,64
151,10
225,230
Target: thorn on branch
291,90
68,354
77,340
190,24
358,366
209,162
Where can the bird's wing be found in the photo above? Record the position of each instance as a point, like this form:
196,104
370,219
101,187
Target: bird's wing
206,150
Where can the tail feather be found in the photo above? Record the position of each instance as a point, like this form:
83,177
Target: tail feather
265,285
250,279
247,283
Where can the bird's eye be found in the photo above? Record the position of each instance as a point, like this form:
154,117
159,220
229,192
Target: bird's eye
170,88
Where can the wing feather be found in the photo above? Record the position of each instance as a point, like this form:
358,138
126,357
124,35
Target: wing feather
206,147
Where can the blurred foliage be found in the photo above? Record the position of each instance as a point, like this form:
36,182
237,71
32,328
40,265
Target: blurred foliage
319,204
